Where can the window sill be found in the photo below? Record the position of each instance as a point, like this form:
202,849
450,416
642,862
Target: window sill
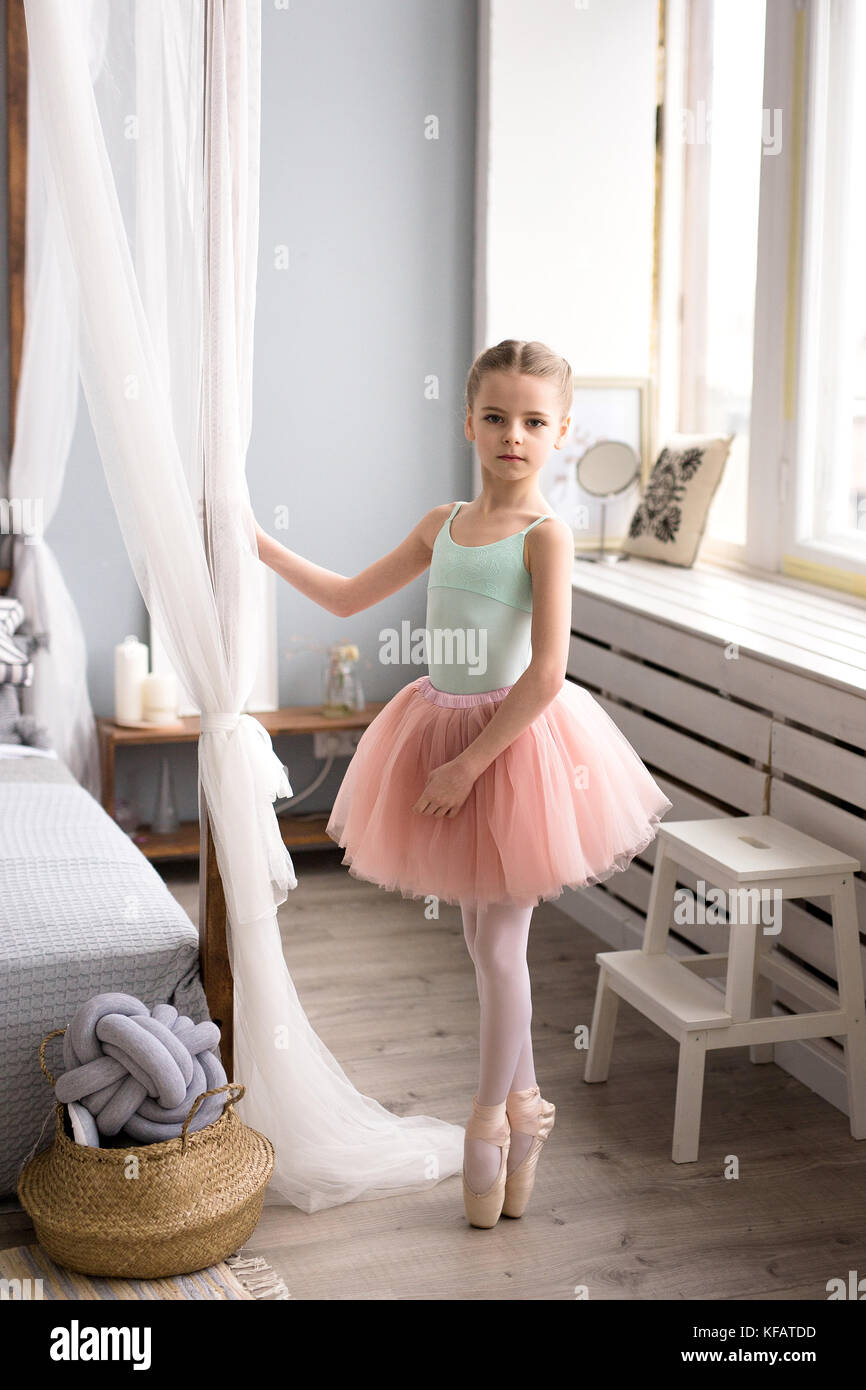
851,597
786,622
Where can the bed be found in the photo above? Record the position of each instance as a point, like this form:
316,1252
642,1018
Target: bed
81,911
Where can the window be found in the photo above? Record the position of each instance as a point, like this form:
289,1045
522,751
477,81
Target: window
722,129
831,512
762,315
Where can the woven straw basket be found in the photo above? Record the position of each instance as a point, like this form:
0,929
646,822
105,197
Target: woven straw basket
195,1199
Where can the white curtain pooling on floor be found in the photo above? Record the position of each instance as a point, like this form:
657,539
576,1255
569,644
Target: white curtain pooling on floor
166,361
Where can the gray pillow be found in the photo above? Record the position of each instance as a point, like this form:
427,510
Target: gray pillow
16,727
10,713
11,614
16,667
10,706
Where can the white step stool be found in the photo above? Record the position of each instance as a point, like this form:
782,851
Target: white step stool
737,854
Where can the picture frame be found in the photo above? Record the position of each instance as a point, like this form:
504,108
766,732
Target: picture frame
611,408
603,408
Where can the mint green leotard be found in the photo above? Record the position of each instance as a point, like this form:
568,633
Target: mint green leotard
479,612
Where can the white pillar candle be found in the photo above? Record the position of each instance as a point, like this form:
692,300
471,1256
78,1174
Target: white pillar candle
159,698
130,669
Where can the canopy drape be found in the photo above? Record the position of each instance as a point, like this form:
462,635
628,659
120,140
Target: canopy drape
58,697
154,167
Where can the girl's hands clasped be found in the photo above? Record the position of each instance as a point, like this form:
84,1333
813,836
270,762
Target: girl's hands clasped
447,788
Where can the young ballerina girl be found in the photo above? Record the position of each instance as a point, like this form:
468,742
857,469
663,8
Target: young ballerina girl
492,781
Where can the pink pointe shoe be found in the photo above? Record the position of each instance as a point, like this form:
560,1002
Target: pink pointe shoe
527,1113
487,1122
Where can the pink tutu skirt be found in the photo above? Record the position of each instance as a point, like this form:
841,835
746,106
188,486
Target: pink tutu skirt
568,803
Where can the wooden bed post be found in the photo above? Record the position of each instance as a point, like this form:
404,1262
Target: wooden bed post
16,208
16,205
213,946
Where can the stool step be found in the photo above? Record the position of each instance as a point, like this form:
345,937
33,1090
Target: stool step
755,849
666,991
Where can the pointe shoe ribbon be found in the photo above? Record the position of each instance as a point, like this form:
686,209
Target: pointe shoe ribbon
528,1113
488,1122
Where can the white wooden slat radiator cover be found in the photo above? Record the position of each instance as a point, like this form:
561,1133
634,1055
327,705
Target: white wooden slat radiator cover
726,731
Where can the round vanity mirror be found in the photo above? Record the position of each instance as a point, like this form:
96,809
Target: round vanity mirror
606,470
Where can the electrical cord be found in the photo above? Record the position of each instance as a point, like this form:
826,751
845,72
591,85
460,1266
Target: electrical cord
283,803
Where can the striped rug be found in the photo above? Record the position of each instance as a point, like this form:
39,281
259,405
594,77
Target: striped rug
238,1277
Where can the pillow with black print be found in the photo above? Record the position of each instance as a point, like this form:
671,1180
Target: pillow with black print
670,518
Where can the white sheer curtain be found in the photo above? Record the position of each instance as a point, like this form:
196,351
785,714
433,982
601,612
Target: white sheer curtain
58,697
166,361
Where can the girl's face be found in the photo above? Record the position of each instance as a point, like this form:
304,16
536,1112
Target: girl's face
515,422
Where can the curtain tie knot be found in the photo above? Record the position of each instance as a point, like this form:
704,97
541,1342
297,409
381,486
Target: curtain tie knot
214,721
271,776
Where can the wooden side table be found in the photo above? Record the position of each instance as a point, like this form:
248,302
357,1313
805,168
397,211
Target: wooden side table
184,843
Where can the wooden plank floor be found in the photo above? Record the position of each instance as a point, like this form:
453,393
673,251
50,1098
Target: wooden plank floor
393,997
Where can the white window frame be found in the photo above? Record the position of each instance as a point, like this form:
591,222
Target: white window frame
772,434
780,419
802,552
683,248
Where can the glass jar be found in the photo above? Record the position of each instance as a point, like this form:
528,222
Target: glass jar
342,692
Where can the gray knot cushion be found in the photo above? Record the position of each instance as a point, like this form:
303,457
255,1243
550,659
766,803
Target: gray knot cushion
138,1071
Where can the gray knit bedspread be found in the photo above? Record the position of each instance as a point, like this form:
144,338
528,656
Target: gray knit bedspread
82,911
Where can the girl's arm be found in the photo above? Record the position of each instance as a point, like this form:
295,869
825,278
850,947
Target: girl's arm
342,595
551,557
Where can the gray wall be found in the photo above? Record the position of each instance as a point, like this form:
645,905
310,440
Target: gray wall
378,222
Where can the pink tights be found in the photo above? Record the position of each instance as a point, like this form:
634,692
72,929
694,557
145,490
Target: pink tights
496,936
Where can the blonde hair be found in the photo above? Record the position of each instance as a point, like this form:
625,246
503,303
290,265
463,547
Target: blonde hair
531,359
